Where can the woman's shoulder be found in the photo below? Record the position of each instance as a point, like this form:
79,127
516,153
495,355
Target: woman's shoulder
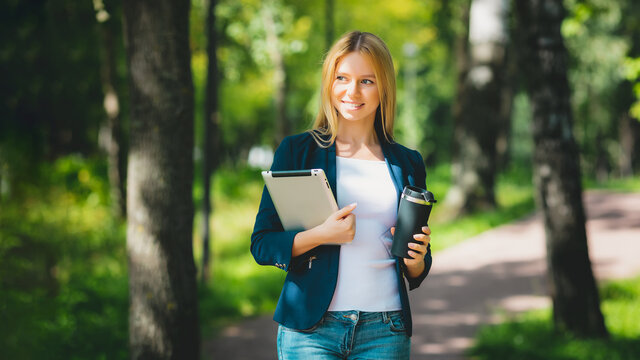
413,155
304,140
298,139
297,145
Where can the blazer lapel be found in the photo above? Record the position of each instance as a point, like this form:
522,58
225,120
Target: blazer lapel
394,167
331,168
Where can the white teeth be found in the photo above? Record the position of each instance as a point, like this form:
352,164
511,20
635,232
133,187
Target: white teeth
353,106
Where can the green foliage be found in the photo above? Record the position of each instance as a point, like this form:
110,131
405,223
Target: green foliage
632,74
600,96
63,279
532,336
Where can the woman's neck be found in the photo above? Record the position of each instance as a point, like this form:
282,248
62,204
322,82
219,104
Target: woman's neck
357,133
358,140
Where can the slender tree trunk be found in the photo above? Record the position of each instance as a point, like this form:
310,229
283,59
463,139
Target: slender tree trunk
576,304
163,318
211,136
279,75
629,130
480,110
110,136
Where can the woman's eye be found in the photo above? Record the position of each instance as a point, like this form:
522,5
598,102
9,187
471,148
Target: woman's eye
367,82
340,77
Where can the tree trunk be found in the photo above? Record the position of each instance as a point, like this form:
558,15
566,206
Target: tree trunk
163,319
279,75
576,304
629,128
110,133
480,110
211,156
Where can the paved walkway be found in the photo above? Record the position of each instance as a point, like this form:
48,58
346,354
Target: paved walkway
501,271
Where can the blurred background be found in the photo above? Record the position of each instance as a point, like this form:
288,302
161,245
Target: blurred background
64,125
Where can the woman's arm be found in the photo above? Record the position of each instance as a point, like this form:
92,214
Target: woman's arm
272,245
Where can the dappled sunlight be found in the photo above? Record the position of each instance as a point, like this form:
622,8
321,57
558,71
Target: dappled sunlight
521,303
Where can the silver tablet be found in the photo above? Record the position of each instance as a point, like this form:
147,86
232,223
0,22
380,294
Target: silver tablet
303,198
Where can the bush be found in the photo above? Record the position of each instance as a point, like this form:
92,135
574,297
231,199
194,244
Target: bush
63,279
532,336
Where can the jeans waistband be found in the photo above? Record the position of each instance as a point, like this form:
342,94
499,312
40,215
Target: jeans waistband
361,316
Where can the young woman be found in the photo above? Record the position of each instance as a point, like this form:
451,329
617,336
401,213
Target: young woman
347,301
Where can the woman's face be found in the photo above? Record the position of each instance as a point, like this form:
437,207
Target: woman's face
354,92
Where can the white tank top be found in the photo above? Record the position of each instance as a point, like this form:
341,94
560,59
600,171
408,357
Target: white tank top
366,274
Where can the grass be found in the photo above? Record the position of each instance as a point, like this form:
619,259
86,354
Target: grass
531,336
622,184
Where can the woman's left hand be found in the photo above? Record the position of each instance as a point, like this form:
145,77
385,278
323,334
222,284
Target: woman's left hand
417,251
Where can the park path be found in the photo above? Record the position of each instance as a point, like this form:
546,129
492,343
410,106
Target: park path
487,277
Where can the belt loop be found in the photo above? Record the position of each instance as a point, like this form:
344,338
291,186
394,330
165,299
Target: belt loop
385,317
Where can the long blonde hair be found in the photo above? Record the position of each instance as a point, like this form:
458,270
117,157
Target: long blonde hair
325,127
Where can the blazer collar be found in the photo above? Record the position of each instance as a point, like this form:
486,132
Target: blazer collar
394,166
331,168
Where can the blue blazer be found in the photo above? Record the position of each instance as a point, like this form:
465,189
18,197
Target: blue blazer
307,292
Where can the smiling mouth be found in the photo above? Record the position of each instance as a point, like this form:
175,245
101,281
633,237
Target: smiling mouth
352,105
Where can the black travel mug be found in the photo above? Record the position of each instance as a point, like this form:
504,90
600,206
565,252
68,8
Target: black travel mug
413,214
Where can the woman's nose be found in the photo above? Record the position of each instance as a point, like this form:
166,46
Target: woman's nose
352,88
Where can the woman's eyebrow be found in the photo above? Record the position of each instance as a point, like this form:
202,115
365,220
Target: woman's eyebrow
364,76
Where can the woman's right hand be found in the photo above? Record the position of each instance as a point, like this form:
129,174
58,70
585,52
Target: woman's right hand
340,227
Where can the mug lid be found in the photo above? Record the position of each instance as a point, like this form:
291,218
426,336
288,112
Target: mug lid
418,194
413,192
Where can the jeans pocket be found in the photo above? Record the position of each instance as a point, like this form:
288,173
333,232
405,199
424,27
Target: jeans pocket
306,331
396,322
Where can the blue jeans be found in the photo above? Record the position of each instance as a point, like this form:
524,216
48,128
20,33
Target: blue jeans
347,335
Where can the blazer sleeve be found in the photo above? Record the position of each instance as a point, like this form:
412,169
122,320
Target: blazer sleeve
270,244
421,181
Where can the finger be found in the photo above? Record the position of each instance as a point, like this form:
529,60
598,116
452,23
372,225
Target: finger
418,247
350,219
344,211
393,230
412,261
426,230
423,238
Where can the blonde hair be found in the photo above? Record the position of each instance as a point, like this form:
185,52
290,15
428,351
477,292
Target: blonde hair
375,50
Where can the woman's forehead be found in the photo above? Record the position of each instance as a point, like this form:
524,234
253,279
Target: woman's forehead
355,63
